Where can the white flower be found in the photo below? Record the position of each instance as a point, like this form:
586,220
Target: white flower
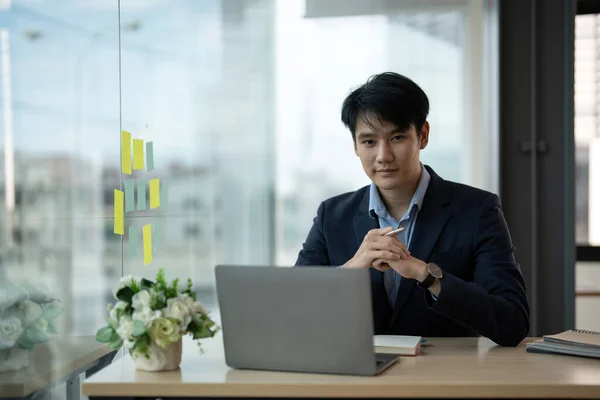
112,312
124,282
146,315
141,300
31,312
194,306
177,310
11,330
125,332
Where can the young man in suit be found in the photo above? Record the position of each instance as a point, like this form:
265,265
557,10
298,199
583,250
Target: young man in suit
451,270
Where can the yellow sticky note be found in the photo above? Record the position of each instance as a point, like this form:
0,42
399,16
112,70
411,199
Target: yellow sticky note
138,154
119,222
154,193
147,233
126,152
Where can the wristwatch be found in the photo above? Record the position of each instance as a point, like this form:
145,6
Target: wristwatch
435,272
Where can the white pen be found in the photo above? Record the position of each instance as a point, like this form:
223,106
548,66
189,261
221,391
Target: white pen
394,231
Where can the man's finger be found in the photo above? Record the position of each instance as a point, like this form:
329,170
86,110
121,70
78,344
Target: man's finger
394,246
401,245
381,265
380,231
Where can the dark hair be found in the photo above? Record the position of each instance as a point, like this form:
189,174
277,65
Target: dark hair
389,97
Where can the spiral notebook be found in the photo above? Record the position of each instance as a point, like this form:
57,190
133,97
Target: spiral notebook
575,342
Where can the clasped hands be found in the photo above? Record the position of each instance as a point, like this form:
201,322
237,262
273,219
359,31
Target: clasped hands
384,252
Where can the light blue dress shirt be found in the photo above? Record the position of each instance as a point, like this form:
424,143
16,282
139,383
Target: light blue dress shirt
377,210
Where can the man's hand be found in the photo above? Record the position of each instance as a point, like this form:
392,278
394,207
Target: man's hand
410,268
376,246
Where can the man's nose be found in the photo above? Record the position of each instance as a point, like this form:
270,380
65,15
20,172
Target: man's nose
384,153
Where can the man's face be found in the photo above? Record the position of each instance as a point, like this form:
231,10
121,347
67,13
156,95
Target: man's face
389,156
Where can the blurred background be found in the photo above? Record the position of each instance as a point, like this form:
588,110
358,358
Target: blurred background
241,99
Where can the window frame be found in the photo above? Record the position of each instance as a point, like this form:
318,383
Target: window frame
588,253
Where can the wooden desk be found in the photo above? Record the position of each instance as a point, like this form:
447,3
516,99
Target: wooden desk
447,367
59,360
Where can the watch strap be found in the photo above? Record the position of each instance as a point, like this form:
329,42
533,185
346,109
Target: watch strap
427,282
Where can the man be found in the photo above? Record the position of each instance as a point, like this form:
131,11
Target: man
451,270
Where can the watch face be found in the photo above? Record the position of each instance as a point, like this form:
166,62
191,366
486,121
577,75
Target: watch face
435,270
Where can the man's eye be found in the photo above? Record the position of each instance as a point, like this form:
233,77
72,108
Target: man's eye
398,137
368,142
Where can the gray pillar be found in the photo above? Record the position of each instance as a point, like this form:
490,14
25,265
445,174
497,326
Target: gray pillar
537,152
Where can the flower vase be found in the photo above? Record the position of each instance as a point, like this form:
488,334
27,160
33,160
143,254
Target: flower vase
158,358
13,359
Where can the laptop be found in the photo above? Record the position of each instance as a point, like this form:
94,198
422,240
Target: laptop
301,319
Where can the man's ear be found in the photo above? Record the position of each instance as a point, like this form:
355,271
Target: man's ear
424,135
355,148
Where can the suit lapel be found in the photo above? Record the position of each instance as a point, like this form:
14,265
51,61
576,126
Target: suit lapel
363,222
429,225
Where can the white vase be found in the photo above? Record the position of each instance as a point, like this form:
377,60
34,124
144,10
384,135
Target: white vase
159,359
13,359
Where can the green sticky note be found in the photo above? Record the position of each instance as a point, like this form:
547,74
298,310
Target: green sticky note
149,156
129,193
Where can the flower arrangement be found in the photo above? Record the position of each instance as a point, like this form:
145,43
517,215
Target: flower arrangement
26,315
154,313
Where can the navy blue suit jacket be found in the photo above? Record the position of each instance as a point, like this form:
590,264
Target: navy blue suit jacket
460,228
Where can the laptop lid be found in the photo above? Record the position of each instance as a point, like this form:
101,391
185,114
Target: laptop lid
305,319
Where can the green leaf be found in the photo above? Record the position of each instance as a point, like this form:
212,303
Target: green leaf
36,295
125,294
51,311
146,284
142,343
135,286
36,335
104,335
116,345
138,328
25,343
51,329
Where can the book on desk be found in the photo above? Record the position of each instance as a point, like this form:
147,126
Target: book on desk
397,344
575,342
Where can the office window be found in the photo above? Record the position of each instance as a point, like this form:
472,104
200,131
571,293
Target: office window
241,99
326,48
587,129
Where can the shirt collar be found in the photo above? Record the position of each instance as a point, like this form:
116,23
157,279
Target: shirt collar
377,208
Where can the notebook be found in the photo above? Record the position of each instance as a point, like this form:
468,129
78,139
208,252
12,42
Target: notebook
397,344
575,342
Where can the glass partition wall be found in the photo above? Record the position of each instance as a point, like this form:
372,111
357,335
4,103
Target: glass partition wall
235,106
